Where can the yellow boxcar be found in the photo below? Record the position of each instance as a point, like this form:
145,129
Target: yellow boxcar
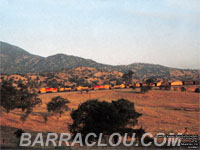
61,89
68,89
176,83
137,85
159,83
42,90
107,86
122,86
116,86
79,88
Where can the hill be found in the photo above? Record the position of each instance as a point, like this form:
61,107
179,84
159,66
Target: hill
16,60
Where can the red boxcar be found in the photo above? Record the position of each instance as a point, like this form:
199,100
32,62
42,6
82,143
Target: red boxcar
101,87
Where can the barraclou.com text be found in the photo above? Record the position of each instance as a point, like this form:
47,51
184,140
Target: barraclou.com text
66,139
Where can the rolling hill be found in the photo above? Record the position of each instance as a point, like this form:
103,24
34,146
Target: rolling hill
17,60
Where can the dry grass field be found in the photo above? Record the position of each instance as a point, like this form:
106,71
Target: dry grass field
163,111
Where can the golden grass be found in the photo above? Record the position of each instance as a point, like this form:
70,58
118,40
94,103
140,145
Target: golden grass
163,111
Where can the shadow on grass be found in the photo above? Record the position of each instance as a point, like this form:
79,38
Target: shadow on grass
135,92
11,120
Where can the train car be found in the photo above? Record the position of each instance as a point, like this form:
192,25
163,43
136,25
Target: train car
53,90
64,89
42,90
144,85
61,89
82,88
48,90
188,82
165,84
98,87
176,83
101,87
121,86
196,82
158,83
68,89
137,85
128,86
116,87
153,84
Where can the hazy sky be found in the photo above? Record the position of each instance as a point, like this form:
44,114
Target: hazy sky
165,32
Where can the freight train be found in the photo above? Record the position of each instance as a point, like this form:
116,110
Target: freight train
121,86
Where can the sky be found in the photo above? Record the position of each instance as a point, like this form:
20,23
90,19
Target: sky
116,32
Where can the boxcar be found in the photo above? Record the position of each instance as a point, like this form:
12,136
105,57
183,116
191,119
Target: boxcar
196,82
177,83
188,82
101,87
82,88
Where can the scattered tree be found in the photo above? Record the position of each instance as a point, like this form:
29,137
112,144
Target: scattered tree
26,100
183,89
127,77
58,105
45,117
149,81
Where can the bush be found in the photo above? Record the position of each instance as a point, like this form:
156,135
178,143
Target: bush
167,88
183,89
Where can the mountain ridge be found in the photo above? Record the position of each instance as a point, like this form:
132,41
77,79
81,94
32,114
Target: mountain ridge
17,60
61,54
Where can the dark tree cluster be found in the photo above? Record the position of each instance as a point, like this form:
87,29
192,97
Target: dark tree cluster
98,117
79,81
52,83
26,100
18,97
8,96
